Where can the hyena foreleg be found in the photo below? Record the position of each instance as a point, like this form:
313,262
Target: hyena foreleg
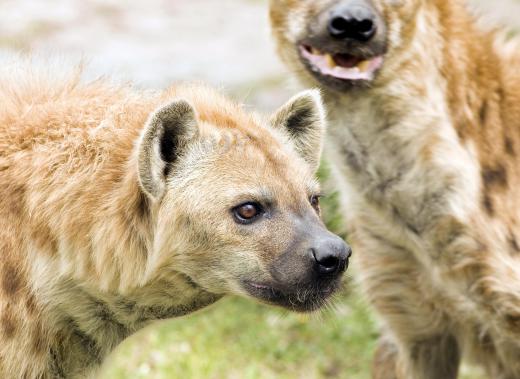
385,359
420,345
433,358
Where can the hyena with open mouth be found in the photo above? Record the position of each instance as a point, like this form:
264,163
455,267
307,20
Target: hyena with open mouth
425,138
120,207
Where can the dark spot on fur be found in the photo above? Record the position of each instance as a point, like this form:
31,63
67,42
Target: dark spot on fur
8,324
508,146
513,243
500,95
513,320
126,305
483,113
30,304
142,205
103,313
351,158
389,183
11,280
487,203
39,344
447,233
17,199
190,282
485,341
494,177
397,214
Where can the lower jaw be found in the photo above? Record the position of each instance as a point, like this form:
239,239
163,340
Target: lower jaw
339,83
301,307
293,302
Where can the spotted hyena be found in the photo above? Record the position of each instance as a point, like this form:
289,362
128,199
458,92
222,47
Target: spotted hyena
425,139
120,207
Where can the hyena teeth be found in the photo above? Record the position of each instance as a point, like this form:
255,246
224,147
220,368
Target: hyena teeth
364,65
315,51
330,61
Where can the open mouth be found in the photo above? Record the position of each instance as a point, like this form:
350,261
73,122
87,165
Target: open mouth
341,66
299,300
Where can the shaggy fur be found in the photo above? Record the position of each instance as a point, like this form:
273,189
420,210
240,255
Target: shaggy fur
114,214
428,159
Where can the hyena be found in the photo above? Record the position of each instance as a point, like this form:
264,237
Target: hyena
119,207
425,139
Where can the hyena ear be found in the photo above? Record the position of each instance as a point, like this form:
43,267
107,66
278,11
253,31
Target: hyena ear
166,135
303,118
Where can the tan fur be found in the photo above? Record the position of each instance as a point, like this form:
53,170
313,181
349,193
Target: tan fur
96,241
429,156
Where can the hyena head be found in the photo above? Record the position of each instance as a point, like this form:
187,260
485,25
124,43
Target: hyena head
343,44
236,201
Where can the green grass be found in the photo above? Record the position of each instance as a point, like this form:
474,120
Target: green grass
238,338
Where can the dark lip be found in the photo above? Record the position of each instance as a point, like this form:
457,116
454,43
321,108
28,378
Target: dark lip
308,300
337,84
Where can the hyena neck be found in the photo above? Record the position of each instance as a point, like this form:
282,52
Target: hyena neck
402,142
99,286
89,324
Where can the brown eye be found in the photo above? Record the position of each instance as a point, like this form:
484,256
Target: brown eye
247,212
315,202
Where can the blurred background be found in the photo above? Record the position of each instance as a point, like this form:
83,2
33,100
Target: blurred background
226,43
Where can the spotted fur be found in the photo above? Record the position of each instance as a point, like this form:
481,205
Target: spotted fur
427,157
115,210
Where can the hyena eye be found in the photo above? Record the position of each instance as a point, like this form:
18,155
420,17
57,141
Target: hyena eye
315,202
247,212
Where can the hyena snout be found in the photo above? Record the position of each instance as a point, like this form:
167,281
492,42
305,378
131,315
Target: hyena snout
310,271
352,20
330,256
306,274
343,43
315,259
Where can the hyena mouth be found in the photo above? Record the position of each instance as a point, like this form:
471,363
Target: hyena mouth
297,299
340,66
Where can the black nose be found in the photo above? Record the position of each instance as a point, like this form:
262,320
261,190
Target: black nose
331,258
353,21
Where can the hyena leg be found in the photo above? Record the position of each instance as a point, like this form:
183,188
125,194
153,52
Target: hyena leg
434,358
397,286
431,358
385,359
488,357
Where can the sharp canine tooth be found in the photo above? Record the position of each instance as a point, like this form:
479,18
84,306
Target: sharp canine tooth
330,61
364,65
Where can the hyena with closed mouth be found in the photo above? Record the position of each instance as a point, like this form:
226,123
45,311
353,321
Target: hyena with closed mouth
118,208
425,138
